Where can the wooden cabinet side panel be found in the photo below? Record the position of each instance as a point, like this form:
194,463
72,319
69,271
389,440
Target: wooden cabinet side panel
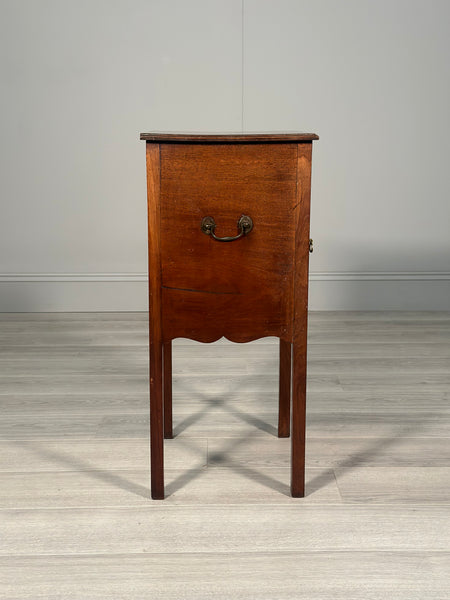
302,219
154,232
241,290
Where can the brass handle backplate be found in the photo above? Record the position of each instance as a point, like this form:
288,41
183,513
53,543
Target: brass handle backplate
245,225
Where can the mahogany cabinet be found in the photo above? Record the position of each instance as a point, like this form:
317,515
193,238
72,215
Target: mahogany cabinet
228,241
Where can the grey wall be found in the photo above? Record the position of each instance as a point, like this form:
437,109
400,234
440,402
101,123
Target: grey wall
81,79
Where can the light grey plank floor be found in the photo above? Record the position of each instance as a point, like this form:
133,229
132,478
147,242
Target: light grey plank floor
344,575
76,518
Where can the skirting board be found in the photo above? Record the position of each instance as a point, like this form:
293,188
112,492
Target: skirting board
52,292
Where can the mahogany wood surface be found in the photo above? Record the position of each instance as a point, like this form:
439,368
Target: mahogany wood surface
167,376
154,281
284,396
243,289
300,321
247,138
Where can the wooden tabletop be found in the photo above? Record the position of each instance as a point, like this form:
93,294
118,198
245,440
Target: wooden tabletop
247,138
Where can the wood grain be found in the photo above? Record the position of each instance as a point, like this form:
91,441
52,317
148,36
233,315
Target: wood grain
298,575
190,485
337,452
156,359
28,455
241,290
219,529
167,375
284,389
394,485
300,337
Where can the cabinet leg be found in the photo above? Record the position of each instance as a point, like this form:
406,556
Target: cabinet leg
167,360
284,398
156,421
298,418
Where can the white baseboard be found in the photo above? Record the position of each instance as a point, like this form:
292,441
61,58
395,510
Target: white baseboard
72,292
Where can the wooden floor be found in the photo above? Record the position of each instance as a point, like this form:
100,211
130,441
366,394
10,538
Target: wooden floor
76,518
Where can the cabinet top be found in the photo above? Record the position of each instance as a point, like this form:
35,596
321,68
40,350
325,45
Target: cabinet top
247,138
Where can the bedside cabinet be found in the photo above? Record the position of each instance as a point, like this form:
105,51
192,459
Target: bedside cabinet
228,225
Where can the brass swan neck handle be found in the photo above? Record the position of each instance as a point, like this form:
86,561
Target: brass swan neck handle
245,225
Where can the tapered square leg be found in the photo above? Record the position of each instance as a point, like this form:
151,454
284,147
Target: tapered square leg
156,421
298,418
156,345
284,398
167,360
302,249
